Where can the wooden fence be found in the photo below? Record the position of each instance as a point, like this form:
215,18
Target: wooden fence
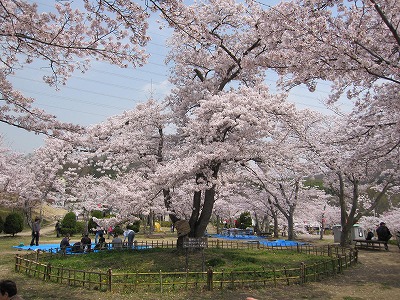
34,265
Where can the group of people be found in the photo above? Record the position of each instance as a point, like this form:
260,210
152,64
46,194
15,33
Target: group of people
85,244
383,234
117,242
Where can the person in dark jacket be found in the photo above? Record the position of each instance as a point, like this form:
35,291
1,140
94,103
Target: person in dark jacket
86,243
65,242
35,232
370,235
383,234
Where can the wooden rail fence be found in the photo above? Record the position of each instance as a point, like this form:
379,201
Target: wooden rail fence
34,265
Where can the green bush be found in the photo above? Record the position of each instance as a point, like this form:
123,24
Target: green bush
14,223
97,214
92,226
166,224
80,227
244,220
118,230
68,224
215,262
135,226
1,224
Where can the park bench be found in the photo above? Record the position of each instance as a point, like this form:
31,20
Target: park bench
369,244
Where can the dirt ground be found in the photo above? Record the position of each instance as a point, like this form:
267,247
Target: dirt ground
376,276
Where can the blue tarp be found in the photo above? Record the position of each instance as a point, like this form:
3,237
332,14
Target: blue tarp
54,248
263,241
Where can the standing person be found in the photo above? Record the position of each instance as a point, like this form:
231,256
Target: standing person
58,228
130,235
99,231
8,290
35,232
383,234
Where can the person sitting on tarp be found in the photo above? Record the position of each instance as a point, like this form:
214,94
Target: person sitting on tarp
101,244
64,243
77,247
86,243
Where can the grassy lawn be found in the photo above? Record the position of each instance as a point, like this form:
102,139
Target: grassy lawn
171,260
148,260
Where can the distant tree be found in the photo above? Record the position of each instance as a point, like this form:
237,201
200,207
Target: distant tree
118,230
135,226
66,38
14,223
92,224
244,220
68,224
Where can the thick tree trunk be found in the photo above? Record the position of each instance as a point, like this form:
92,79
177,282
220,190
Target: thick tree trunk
201,214
291,235
276,226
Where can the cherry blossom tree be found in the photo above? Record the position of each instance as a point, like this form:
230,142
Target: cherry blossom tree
350,172
66,38
169,157
10,169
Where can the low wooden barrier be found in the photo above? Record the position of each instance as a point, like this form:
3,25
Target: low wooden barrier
34,265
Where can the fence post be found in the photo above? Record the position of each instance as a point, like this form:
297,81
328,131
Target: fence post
340,263
48,273
16,263
161,282
209,279
109,275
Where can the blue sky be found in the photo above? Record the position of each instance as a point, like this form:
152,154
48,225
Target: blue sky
107,90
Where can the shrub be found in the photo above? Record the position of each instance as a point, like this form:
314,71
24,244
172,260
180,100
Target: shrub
135,226
80,227
244,220
97,214
215,262
92,225
118,230
68,224
14,223
166,224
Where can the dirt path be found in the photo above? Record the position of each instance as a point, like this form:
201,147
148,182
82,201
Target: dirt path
376,276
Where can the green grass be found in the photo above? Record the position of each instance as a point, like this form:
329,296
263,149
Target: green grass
171,260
